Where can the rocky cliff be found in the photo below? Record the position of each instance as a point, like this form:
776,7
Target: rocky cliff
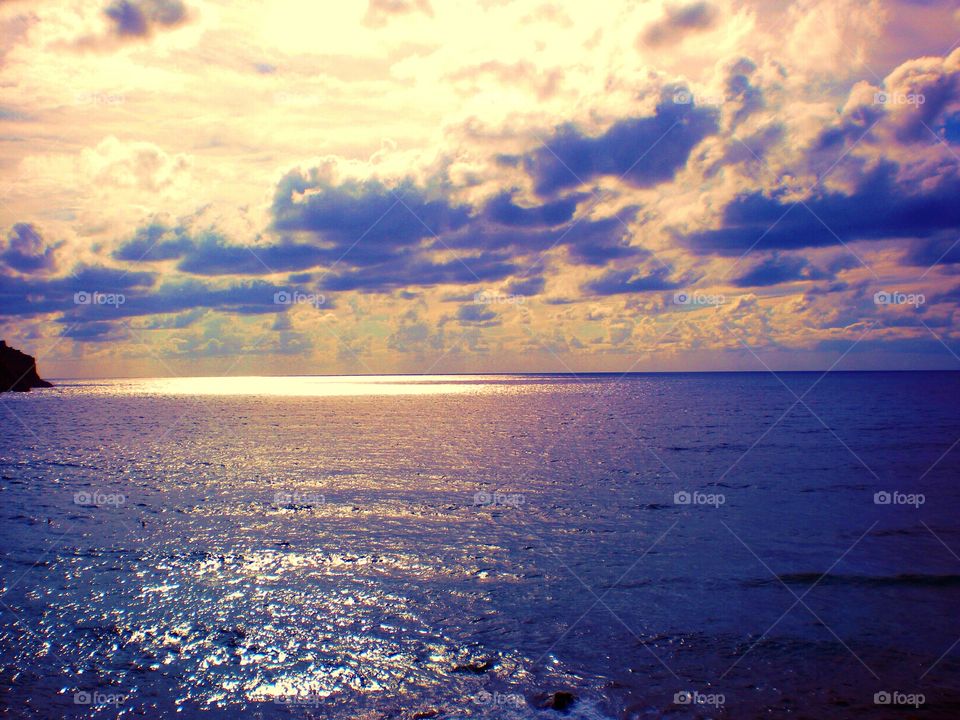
18,371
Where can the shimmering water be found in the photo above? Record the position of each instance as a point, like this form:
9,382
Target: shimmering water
468,546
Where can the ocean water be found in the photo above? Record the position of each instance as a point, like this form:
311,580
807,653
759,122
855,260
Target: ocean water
680,545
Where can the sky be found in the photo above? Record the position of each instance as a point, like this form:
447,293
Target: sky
410,186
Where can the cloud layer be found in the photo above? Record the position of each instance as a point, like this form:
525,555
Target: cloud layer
401,186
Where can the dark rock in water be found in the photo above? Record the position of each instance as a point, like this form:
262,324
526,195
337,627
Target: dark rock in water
560,700
18,371
428,713
477,666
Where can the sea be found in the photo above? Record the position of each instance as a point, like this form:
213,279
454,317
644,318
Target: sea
716,545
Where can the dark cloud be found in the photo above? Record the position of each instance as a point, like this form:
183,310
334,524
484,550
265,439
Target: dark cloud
950,131
378,238
242,298
26,251
368,220
773,271
156,241
680,20
878,208
210,253
526,286
643,151
37,295
21,296
97,331
926,252
133,18
477,316
950,296
779,268
221,258
370,237
502,209
739,90
617,282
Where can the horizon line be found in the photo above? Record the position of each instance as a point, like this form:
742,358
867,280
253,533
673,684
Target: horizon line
590,373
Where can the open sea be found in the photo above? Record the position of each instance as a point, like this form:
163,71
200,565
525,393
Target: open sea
736,545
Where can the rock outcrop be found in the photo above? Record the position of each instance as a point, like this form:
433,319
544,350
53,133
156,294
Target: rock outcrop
18,371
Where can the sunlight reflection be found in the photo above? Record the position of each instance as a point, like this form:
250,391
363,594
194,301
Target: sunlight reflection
316,386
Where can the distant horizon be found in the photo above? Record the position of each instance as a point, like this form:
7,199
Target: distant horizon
605,373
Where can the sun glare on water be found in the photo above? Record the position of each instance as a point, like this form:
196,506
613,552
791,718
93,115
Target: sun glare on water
315,386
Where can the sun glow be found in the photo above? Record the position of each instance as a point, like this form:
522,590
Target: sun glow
307,386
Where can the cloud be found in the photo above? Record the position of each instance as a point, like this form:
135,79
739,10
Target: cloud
155,242
740,92
526,286
935,80
214,255
477,316
24,296
778,269
618,282
25,251
642,151
132,18
376,237
368,219
927,252
95,332
421,176
680,21
209,252
879,207
503,210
